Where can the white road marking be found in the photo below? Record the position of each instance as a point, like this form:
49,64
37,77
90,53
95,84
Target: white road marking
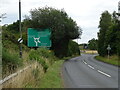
91,67
97,70
84,62
104,73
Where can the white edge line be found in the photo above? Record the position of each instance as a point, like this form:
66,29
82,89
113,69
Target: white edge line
91,67
103,73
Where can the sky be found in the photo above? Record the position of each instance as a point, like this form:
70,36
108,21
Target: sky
86,13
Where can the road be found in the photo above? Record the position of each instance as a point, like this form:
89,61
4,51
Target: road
86,72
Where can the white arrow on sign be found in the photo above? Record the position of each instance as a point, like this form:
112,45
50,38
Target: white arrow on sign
37,40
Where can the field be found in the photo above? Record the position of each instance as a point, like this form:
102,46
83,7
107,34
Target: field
89,51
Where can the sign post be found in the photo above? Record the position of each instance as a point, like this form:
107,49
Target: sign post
39,37
20,45
108,48
119,10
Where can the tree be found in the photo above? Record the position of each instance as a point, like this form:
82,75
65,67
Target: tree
116,30
92,44
14,27
109,34
63,28
104,26
73,48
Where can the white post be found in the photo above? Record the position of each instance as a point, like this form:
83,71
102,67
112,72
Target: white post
108,55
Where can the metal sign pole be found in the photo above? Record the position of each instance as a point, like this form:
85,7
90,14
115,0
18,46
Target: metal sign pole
108,54
119,10
108,48
20,27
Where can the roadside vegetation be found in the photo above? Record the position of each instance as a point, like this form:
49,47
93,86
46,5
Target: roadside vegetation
49,59
114,60
63,28
0,52
52,79
108,35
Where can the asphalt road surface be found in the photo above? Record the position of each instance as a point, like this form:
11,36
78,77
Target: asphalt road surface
86,72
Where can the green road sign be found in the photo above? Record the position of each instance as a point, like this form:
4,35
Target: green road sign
39,37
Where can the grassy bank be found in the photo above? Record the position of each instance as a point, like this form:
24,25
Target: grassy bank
114,60
52,78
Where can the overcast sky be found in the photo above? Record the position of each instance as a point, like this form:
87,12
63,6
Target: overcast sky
85,12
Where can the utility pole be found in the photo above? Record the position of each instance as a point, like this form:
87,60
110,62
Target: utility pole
20,45
119,11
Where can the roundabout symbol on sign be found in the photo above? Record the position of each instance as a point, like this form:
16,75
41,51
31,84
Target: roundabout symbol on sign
37,40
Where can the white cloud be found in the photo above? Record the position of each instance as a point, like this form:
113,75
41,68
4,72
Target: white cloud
85,12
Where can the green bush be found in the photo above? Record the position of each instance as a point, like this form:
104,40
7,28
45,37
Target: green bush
39,55
10,62
11,58
45,53
43,63
33,55
73,48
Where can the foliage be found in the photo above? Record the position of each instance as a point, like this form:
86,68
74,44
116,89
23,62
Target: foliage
14,27
114,60
73,48
45,53
92,44
109,34
10,50
10,62
35,73
52,79
0,47
105,22
40,55
63,27
11,32
11,58
9,35
34,55
83,46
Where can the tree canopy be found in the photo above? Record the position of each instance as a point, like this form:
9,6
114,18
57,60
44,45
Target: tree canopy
109,34
92,44
63,27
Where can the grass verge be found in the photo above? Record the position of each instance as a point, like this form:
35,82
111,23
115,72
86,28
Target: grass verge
114,60
52,78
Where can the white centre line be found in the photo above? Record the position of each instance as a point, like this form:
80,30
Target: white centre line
97,70
84,62
104,73
91,67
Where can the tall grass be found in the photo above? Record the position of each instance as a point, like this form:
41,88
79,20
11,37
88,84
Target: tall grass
10,62
52,79
41,55
114,60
